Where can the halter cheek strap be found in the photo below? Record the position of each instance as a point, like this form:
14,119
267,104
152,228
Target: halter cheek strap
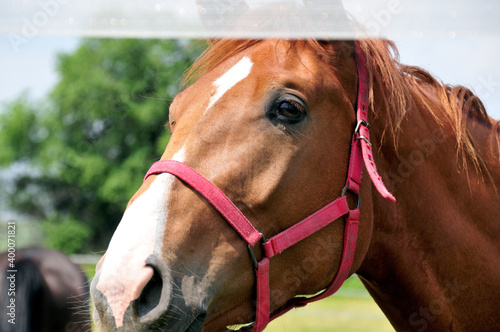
362,134
360,151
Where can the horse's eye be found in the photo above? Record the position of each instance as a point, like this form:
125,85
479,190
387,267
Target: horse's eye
289,111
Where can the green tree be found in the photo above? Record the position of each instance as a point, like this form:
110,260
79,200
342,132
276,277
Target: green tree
87,147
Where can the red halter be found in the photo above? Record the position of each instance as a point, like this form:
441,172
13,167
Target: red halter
360,150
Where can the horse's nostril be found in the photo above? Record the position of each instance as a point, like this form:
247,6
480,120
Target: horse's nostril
150,296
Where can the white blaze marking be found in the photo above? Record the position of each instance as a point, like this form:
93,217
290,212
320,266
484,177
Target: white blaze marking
180,155
124,272
238,72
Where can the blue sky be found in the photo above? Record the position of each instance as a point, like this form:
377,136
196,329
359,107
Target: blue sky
472,62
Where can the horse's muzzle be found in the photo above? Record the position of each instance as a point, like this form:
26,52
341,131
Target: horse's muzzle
159,307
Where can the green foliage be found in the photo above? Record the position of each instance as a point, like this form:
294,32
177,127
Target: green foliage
68,236
19,134
102,126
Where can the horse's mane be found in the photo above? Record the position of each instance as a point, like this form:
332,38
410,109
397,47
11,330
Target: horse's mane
452,107
398,87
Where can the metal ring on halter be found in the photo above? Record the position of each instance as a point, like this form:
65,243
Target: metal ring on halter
364,139
361,122
252,253
358,196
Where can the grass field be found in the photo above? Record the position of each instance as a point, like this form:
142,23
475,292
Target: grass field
351,309
334,314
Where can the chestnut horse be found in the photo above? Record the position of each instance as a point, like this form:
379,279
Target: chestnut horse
42,290
265,137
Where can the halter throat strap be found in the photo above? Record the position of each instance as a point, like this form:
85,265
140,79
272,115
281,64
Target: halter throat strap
361,150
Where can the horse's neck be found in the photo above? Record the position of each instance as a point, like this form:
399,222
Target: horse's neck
433,260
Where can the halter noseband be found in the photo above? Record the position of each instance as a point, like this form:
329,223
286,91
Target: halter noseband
361,149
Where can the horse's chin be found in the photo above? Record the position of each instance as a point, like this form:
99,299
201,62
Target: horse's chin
197,324
233,319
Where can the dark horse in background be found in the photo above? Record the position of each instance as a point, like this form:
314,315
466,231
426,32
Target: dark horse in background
50,293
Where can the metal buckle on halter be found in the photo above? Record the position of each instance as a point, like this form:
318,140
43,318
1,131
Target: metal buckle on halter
252,253
356,131
358,196
364,139
361,122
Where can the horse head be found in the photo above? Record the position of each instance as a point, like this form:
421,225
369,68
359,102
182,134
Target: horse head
270,124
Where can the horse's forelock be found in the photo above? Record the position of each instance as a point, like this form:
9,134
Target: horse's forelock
219,50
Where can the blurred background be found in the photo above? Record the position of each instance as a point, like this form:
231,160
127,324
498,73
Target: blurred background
82,120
